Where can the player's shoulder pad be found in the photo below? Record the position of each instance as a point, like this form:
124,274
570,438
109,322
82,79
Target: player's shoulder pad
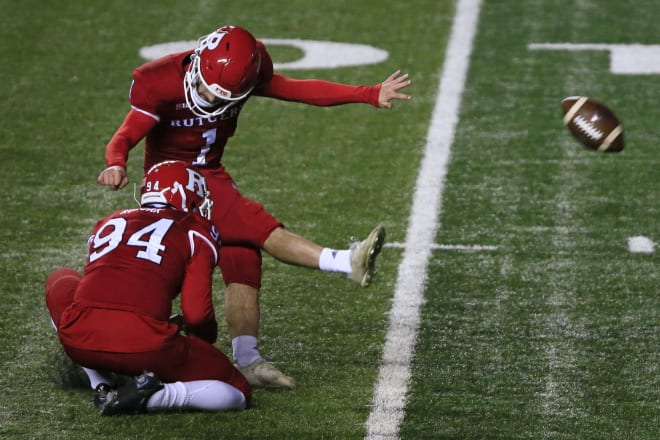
160,79
201,226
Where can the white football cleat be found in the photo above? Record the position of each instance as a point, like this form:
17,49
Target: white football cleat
363,256
262,373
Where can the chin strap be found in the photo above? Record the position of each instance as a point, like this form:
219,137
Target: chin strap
134,193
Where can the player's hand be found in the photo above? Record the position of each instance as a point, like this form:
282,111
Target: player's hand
389,89
178,320
115,177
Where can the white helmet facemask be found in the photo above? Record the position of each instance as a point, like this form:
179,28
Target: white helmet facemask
206,208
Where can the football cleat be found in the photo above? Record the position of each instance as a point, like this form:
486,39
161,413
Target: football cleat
363,256
262,373
101,394
132,397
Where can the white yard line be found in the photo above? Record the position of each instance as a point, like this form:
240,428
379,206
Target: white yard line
389,400
448,247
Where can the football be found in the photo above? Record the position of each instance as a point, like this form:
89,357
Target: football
593,124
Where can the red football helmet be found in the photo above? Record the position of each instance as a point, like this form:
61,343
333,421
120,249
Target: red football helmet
172,183
227,63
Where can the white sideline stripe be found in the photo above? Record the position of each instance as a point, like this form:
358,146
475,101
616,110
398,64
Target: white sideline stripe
448,247
389,400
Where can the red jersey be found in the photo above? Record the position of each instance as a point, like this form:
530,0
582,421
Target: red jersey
139,261
172,132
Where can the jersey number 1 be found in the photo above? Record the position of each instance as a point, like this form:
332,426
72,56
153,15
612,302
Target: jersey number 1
209,138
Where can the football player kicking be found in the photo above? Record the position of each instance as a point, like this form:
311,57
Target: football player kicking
115,317
186,107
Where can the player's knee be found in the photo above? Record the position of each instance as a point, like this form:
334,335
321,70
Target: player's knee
60,288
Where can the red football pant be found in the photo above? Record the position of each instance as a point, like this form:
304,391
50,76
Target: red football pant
244,226
181,358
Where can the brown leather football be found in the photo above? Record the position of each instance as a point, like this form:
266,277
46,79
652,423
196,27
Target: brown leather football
593,124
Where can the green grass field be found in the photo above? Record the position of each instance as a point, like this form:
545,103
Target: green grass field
547,327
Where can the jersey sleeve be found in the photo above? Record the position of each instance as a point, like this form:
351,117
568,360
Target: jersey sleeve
135,127
309,91
143,94
139,121
196,291
317,92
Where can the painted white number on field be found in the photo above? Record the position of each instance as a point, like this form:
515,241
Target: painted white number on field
110,235
316,54
625,59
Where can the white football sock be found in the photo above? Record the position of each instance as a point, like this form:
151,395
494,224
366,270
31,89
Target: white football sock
332,260
97,377
245,350
205,395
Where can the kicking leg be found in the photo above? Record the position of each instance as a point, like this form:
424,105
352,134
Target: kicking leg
358,262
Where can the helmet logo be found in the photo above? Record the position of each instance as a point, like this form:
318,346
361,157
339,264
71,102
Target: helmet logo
196,183
211,41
